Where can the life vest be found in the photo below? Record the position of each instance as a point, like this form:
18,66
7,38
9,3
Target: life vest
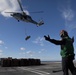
67,49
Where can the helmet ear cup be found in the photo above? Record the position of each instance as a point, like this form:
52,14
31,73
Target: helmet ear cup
63,33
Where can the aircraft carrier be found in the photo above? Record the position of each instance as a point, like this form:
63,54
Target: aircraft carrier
46,68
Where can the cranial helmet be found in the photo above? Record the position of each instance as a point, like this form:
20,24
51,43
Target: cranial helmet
63,33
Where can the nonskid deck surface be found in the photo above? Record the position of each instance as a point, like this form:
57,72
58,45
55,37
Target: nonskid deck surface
47,68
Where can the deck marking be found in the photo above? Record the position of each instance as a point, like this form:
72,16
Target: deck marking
34,71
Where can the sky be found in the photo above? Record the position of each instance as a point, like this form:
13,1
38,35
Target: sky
57,15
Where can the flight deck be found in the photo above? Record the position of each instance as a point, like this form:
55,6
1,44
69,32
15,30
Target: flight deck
46,68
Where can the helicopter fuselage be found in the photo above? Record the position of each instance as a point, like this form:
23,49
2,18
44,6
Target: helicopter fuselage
26,18
20,16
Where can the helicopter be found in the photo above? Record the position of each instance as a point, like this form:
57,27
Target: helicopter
24,17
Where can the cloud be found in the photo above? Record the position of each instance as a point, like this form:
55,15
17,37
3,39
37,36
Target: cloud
22,48
30,53
1,43
23,53
39,41
9,6
1,53
6,47
68,15
42,50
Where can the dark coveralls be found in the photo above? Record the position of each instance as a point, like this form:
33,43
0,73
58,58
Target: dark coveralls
67,53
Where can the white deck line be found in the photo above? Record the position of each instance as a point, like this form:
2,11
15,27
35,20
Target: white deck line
34,71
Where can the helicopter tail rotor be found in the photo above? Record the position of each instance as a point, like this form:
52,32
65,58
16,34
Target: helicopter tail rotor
40,23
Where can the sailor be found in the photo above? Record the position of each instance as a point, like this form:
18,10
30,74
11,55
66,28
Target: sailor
67,51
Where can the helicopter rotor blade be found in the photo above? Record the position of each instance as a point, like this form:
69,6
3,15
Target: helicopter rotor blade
20,6
13,12
37,12
10,12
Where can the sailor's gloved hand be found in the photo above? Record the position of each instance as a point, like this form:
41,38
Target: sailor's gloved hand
47,37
